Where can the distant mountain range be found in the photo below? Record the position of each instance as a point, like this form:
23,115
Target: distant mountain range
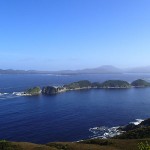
107,69
145,69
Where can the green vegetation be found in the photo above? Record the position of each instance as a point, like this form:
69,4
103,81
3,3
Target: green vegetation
98,144
85,84
140,83
128,127
79,84
138,133
33,91
144,146
93,144
5,145
59,146
96,85
115,84
49,90
146,123
102,142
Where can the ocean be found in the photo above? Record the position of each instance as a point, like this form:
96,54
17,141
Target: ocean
68,116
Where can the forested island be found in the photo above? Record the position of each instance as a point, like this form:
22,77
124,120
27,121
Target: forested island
85,84
140,83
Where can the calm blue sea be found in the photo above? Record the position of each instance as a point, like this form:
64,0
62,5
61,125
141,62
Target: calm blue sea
67,116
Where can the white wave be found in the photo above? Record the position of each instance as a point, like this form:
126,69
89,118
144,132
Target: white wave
20,94
9,95
12,95
137,122
5,93
104,132
2,94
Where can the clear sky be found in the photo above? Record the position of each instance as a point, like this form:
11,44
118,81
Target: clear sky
74,34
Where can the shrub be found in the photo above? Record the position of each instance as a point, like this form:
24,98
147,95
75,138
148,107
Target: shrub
5,145
144,146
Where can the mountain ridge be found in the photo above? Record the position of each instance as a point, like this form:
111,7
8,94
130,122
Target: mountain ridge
105,69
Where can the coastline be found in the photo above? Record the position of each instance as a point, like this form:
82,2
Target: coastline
104,132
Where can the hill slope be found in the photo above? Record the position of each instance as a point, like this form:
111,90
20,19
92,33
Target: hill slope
95,144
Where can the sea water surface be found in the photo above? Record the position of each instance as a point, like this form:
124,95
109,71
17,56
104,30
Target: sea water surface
67,116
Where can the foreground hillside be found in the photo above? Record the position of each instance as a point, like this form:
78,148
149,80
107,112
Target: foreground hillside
97,144
132,136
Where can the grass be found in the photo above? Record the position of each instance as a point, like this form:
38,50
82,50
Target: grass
5,145
94,144
144,146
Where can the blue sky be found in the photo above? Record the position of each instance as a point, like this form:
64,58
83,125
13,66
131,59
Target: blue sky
74,34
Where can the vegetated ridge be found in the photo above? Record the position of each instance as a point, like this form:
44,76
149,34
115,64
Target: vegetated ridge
85,84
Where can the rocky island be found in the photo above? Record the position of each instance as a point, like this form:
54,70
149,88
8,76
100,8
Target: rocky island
140,83
50,90
84,84
115,84
35,91
78,85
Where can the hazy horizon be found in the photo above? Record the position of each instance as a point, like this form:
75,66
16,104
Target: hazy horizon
71,35
96,67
